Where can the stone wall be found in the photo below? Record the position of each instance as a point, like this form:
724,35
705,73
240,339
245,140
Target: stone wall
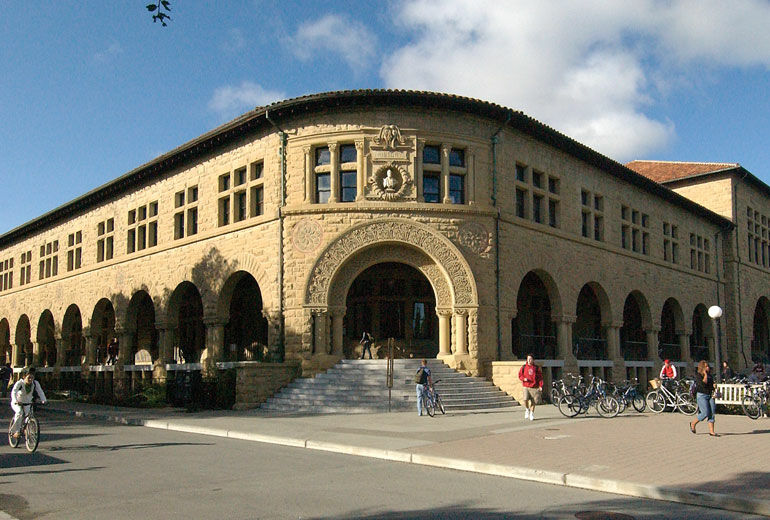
256,382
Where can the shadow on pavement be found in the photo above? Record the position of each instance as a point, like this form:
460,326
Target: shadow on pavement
117,447
22,459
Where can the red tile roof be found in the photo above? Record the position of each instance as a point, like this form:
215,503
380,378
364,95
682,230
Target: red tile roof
663,171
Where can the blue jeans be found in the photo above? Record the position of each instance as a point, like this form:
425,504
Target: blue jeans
420,392
706,407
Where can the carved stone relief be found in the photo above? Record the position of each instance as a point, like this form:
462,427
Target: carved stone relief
307,235
474,237
390,182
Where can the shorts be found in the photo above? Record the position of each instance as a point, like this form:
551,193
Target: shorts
531,393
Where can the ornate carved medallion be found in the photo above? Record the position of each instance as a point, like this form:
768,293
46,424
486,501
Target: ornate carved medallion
307,235
474,237
390,182
390,137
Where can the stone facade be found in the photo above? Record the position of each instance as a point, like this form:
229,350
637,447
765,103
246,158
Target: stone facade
245,245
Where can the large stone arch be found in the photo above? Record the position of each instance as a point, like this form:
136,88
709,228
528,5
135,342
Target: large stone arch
246,263
458,276
23,342
5,342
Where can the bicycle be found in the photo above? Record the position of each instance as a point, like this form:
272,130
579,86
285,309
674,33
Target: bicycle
596,394
755,401
628,394
434,396
427,401
30,429
680,399
560,388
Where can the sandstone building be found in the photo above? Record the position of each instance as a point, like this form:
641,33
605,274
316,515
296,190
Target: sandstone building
464,230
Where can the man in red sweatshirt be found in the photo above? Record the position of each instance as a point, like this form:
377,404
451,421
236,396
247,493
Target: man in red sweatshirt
532,379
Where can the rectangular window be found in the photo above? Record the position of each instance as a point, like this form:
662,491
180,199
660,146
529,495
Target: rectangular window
131,241
257,201
537,208
78,257
70,260
598,203
322,156
323,188
675,253
100,250
457,157
131,217
179,199
348,153
521,203
178,225
645,220
635,240
431,154
141,237
584,225
192,195
142,213
598,227
240,176
521,173
666,248
624,237
584,197
224,182
553,217
108,248
153,209
645,243
348,186
457,189
152,234
553,185
431,187
192,221
537,179
256,170
224,211
240,206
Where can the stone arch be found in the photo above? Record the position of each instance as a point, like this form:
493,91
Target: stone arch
593,315
72,336
636,321
320,288
185,315
103,321
760,342
248,263
701,335
533,330
140,323
23,342
241,309
5,342
671,326
46,338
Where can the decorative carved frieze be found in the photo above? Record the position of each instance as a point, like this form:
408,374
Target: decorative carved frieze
307,235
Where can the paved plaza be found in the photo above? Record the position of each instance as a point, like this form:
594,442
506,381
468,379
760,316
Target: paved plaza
642,455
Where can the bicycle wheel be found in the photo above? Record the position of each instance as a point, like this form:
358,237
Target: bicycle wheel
427,405
555,396
13,442
32,435
686,404
622,403
607,406
440,404
638,403
655,401
569,405
751,406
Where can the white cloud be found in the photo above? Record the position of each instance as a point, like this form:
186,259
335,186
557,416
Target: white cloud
592,70
230,101
109,53
335,34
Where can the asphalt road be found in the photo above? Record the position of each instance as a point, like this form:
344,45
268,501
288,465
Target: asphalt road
86,470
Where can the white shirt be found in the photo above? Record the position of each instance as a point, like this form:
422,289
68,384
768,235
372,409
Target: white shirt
19,394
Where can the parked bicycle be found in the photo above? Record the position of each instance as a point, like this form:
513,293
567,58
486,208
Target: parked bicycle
435,399
596,394
561,387
30,429
680,398
754,403
628,394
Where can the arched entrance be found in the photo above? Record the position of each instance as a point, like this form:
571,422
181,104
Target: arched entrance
72,337
633,339
670,325
760,344
246,328
588,333
102,328
186,312
140,320
533,330
699,344
5,342
392,300
23,342
46,340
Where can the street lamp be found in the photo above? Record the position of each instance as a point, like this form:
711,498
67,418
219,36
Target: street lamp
715,312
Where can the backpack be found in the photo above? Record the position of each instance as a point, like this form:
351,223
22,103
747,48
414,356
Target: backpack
418,375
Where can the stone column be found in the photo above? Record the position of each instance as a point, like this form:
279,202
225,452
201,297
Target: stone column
461,328
274,353
336,335
360,170
215,345
334,174
35,353
564,325
444,333
60,353
473,333
120,378
418,170
165,352
506,316
15,355
614,353
309,175
445,149
684,346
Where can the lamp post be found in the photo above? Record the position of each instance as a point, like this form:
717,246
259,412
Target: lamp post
715,312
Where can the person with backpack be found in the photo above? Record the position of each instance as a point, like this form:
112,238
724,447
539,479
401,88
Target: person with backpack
531,377
22,394
422,379
366,345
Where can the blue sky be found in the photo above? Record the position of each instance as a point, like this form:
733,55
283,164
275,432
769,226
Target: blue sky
91,90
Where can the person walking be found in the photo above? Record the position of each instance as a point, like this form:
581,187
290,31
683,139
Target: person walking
5,377
531,377
422,379
704,391
366,344
112,351
727,372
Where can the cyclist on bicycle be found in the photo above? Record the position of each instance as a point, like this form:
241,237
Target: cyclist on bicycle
667,373
22,394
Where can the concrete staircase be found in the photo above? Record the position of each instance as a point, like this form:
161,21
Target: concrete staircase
359,386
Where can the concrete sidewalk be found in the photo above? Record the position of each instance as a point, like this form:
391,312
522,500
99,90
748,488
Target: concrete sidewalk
641,455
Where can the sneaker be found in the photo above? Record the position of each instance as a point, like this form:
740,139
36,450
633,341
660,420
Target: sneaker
531,416
526,414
